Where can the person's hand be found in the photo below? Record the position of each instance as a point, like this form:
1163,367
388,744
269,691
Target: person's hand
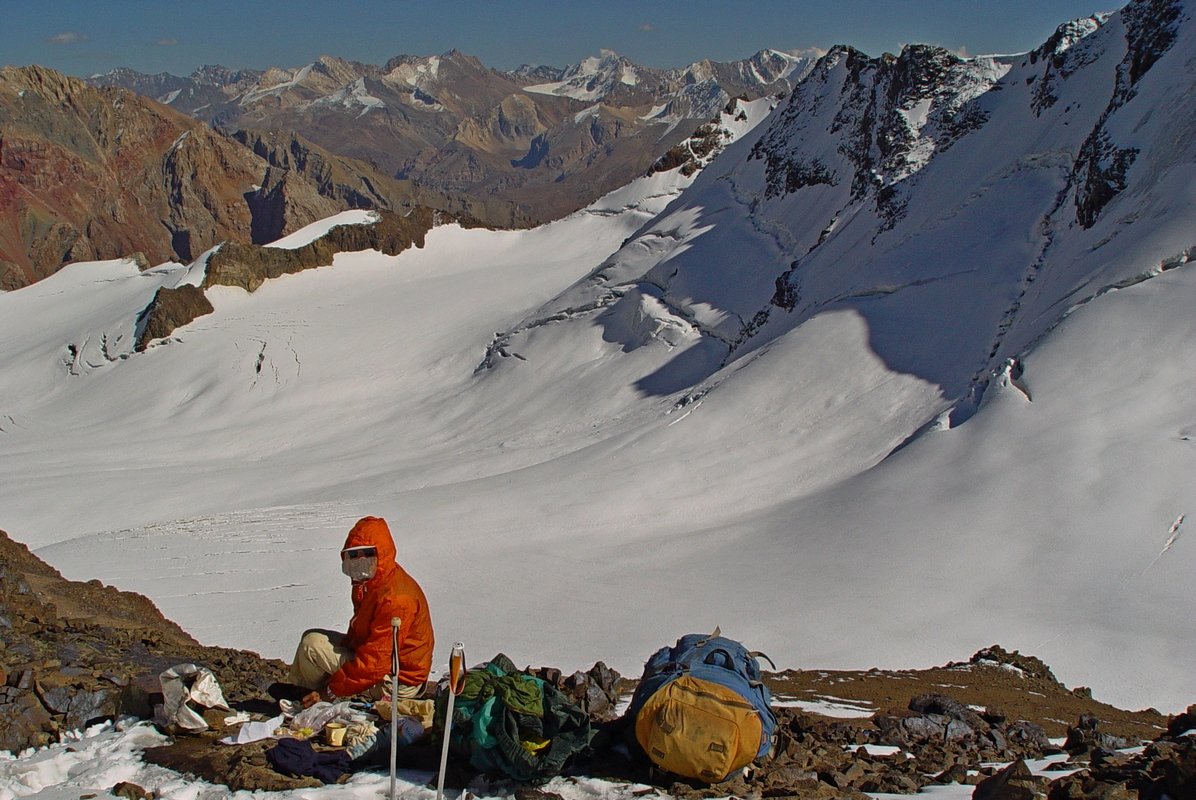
310,699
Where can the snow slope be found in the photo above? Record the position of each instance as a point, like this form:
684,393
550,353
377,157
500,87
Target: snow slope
778,402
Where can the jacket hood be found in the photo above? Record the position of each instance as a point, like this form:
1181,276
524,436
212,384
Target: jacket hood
374,532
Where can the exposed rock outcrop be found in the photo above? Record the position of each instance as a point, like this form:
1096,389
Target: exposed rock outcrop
247,266
73,653
305,180
170,309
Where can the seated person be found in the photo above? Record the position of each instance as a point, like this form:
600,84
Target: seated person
335,665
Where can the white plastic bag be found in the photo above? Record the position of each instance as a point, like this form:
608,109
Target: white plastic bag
189,682
322,713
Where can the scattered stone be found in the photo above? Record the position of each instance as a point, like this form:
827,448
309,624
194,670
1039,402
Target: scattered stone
532,793
77,653
130,791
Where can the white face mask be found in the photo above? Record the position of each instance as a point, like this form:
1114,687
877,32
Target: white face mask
360,569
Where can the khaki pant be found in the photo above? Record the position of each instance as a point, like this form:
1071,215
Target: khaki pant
321,653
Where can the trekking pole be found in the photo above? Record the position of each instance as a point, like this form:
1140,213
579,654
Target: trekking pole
455,687
395,623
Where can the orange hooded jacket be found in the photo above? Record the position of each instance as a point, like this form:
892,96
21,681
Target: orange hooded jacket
390,593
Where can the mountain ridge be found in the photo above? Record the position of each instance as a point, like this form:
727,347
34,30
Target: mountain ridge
454,125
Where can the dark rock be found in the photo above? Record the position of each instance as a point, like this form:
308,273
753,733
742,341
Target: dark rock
93,653
596,691
24,721
956,773
1028,664
170,309
1082,786
1085,737
1164,769
88,707
1028,737
248,266
532,793
130,791
1182,723
1015,782
993,717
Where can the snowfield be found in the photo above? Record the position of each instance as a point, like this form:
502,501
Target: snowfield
974,424
544,505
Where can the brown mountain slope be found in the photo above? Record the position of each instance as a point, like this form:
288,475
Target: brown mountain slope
74,652
91,173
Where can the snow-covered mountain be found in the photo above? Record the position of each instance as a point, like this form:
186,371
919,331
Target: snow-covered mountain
907,240
905,371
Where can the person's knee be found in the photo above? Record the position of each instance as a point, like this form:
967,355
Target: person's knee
312,642
313,636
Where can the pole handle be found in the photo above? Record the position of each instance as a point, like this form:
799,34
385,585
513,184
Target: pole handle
457,668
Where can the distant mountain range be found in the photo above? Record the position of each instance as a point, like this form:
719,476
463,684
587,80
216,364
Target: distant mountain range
124,162
549,140
96,173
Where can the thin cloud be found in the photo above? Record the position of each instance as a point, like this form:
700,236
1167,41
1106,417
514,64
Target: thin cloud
809,52
647,27
166,42
66,38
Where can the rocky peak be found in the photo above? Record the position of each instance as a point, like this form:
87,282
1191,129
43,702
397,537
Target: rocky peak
771,66
220,75
889,115
530,74
1151,28
1068,50
601,78
1102,167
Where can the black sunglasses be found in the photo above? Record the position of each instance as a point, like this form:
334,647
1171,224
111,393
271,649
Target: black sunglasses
364,552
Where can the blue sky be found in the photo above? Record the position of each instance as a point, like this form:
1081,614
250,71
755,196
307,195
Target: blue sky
85,37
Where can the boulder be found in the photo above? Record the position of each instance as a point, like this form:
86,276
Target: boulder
130,791
1182,723
82,704
1015,782
24,721
1085,737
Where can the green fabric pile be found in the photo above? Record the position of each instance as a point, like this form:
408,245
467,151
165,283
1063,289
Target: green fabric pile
514,724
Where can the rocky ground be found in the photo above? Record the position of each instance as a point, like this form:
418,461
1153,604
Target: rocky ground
73,653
